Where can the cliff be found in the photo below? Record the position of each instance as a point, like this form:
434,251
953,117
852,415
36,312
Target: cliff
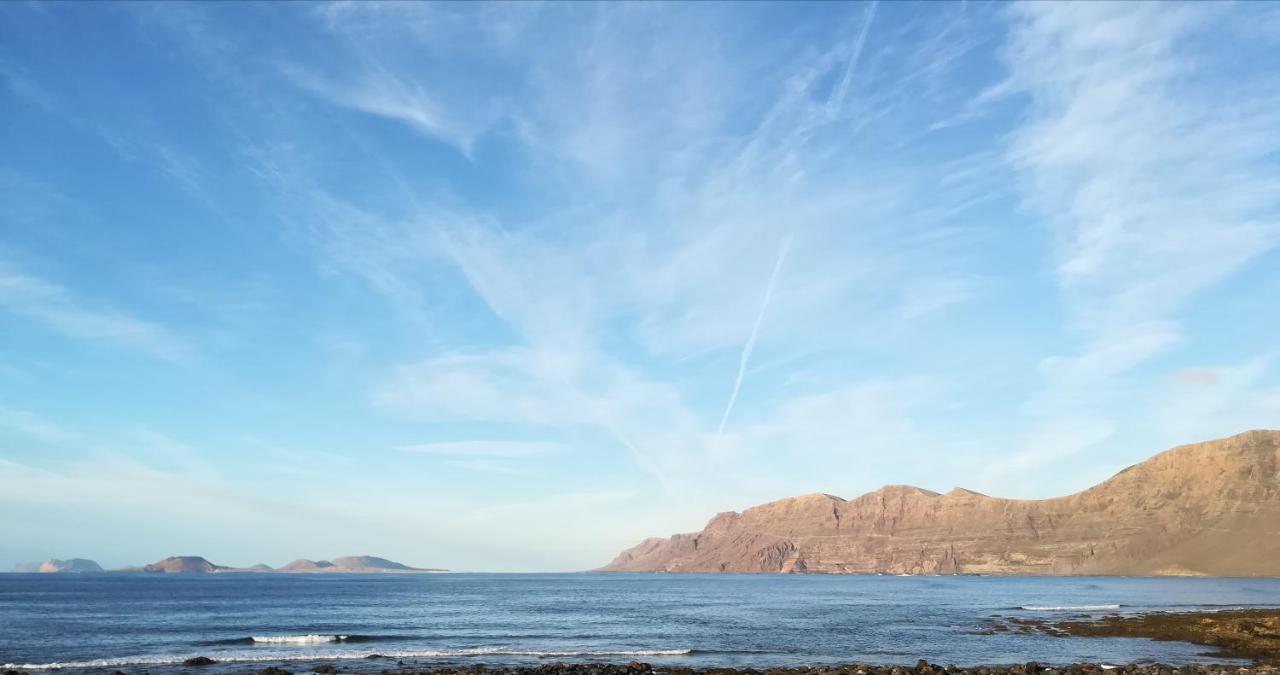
1204,509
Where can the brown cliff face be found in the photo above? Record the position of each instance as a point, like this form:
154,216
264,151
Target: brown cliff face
1205,509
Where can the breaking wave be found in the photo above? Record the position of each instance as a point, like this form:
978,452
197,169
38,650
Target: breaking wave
312,639
298,639
1067,608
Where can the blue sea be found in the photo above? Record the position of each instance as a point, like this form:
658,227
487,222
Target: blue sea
138,622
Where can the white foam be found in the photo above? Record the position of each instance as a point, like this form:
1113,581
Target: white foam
319,656
297,639
1067,608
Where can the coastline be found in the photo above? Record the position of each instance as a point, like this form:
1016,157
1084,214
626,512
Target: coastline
379,665
779,633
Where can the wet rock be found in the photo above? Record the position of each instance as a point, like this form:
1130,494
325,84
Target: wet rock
324,669
199,661
272,670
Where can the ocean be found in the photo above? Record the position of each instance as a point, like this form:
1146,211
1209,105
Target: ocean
153,622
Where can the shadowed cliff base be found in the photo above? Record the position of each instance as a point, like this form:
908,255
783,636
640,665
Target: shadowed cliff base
1207,509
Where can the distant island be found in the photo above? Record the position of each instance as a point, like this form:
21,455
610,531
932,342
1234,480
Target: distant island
189,564
54,566
1208,509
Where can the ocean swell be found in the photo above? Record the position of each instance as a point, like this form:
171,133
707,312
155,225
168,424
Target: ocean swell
255,656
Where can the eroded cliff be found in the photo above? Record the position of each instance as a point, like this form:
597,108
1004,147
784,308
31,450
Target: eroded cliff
1209,508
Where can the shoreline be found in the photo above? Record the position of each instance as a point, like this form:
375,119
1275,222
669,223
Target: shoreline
379,666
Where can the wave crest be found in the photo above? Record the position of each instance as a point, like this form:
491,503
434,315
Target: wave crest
1067,608
298,639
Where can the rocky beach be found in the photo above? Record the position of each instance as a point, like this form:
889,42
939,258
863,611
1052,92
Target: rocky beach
1244,634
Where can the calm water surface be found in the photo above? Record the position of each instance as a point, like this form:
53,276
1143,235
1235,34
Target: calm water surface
93,622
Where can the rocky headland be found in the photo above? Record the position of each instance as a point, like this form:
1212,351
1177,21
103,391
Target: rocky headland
1207,509
1243,634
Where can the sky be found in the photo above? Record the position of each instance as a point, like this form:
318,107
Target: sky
510,287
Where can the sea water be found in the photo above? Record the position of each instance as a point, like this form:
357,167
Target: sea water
136,621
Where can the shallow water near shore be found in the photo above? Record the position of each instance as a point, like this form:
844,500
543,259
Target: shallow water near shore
154,622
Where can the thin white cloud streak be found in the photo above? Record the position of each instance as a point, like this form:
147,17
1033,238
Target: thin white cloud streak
31,425
843,90
500,449
387,96
57,308
745,357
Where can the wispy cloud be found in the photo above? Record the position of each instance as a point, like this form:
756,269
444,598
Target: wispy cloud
666,268
1156,194
499,449
34,426
385,95
57,308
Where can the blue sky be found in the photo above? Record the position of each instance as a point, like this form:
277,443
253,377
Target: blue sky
512,286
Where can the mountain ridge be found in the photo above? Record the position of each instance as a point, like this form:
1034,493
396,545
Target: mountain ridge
190,564
1210,508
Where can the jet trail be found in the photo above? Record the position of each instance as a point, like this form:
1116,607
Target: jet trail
751,339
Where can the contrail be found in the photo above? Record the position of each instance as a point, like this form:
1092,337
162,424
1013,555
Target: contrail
836,100
751,339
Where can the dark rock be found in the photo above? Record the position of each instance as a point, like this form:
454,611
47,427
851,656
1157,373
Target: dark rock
272,670
324,669
199,661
